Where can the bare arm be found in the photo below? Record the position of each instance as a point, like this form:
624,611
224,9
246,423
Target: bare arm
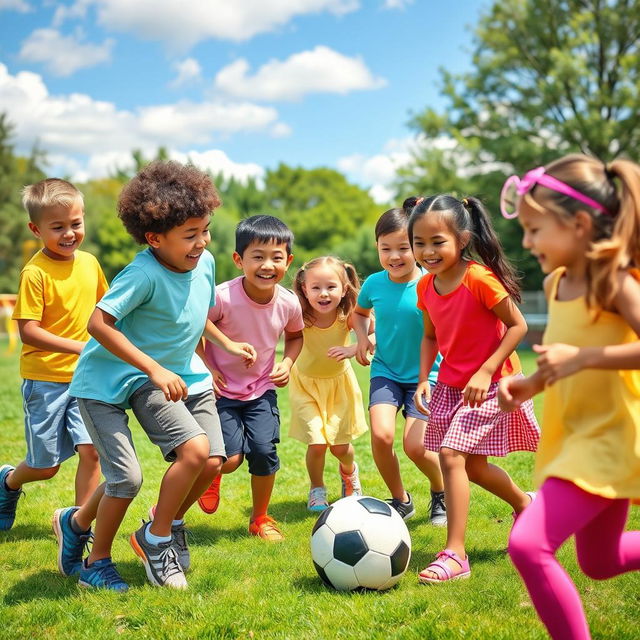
33,334
293,341
428,355
362,326
241,349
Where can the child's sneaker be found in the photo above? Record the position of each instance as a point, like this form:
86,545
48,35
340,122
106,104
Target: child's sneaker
437,509
8,499
101,574
178,541
405,509
317,499
160,561
71,545
350,482
265,527
210,499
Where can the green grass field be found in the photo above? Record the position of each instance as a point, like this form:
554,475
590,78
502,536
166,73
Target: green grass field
241,587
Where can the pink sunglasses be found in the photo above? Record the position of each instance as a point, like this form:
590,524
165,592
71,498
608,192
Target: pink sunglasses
514,188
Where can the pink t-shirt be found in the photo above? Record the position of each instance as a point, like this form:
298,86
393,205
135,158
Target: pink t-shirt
261,325
467,331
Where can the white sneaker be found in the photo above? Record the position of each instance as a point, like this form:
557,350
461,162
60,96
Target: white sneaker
350,483
317,499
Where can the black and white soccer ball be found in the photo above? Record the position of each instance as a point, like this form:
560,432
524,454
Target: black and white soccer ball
360,542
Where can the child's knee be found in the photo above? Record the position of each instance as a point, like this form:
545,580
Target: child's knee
413,450
213,465
193,452
263,459
451,459
126,486
48,473
232,463
597,566
522,549
339,450
382,440
88,454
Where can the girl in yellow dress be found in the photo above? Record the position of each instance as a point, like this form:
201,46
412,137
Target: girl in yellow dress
581,220
326,402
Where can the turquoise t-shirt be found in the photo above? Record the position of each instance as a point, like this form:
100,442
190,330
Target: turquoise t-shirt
161,312
399,328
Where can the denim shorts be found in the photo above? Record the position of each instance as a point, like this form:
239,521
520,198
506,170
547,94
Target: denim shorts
398,394
53,426
252,427
167,424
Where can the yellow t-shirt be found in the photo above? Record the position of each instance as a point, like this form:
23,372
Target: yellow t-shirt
61,295
591,424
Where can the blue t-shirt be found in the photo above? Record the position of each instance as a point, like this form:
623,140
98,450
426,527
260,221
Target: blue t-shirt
161,312
399,328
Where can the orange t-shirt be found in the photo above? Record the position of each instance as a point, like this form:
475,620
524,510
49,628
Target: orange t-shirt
467,331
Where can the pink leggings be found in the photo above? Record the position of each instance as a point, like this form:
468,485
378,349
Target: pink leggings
560,510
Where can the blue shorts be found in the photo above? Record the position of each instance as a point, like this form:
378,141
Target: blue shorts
398,394
53,427
252,427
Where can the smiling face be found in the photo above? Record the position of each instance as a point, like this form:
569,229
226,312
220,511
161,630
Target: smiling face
323,289
264,266
396,258
435,246
180,248
61,230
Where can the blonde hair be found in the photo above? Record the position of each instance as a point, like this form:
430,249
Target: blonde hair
615,244
49,193
348,277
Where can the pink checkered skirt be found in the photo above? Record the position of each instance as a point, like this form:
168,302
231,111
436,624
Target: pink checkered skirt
483,430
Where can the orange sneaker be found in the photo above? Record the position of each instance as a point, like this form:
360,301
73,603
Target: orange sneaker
210,499
265,527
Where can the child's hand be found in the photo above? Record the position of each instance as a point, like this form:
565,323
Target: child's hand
280,374
475,393
340,353
557,361
219,382
245,351
512,392
363,349
422,396
171,384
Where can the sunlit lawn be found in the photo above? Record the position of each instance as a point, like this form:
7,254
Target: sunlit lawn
241,587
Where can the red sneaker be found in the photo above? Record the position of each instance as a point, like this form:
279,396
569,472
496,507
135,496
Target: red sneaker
210,499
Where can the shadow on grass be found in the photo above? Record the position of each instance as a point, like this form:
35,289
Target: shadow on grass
422,557
205,535
313,584
288,511
26,532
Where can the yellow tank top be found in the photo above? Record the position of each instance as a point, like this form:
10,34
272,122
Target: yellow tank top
313,360
591,421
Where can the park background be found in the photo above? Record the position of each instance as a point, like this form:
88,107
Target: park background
324,113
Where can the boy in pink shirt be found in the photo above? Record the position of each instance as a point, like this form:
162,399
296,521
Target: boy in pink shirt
256,307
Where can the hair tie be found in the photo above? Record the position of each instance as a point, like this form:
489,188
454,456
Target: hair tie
608,172
465,203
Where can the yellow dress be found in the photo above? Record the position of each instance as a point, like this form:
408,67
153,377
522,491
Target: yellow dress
325,399
591,422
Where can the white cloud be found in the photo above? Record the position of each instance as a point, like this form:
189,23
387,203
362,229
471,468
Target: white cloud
78,124
396,4
182,23
188,71
218,161
15,5
75,11
320,70
63,55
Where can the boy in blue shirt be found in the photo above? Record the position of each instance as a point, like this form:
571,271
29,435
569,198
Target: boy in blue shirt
142,356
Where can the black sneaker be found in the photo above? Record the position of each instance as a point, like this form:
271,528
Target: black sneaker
405,509
438,509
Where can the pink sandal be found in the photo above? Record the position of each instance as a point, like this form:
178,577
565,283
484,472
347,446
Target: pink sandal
443,570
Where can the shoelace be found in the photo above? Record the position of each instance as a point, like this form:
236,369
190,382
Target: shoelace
169,562
108,574
87,541
180,537
437,501
317,497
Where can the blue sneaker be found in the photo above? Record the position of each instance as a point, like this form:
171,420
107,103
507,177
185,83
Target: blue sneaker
70,544
102,574
8,500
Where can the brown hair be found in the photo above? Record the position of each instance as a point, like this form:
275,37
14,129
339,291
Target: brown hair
348,277
51,192
616,232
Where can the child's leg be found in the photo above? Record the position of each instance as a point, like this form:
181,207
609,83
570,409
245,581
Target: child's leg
315,464
496,481
427,461
383,429
261,490
346,455
86,514
111,512
87,474
211,469
23,474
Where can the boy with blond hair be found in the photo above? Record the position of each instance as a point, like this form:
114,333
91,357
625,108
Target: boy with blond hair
58,290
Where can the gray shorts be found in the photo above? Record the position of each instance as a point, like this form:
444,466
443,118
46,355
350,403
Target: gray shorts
168,425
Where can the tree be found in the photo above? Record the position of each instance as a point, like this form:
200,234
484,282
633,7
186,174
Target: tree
549,77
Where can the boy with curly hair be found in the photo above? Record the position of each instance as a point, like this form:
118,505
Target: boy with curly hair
142,356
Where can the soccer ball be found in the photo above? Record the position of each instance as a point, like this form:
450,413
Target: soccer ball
360,542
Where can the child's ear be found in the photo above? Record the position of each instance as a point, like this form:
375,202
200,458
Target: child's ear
583,224
465,238
289,260
34,229
152,239
237,259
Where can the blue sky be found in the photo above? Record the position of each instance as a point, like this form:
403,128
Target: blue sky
236,85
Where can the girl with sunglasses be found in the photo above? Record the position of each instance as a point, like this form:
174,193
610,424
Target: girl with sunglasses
581,220
469,314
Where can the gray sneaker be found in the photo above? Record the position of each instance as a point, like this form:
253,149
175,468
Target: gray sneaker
178,541
405,509
160,561
350,482
437,509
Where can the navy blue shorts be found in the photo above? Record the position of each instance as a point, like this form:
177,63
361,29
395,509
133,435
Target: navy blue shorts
399,394
252,428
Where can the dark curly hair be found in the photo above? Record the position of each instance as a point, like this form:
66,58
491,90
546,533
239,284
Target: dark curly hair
165,195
